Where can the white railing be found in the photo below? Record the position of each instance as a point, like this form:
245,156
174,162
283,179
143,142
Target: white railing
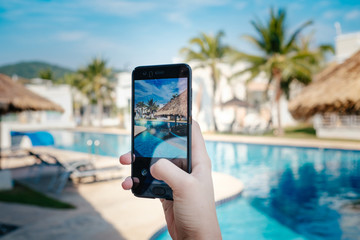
339,121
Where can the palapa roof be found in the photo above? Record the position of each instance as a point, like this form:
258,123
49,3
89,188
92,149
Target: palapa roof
235,102
335,90
177,106
14,97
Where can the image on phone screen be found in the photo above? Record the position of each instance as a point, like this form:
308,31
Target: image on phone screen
160,120
160,124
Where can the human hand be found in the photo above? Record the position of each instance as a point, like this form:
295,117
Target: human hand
192,214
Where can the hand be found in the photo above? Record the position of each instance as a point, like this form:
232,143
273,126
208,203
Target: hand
192,214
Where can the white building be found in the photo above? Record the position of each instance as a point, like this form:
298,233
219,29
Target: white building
123,97
226,90
42,120
346,45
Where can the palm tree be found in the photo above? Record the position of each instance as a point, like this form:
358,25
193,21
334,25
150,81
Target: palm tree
46,74
210,53
174,96
95,84
152,106
283,60
76,82
141,105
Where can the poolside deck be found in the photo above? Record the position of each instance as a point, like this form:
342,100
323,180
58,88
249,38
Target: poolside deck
320,143
104,210
138,130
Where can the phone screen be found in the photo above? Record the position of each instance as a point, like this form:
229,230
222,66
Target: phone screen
161,123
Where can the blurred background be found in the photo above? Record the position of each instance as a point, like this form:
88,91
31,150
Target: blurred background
276,91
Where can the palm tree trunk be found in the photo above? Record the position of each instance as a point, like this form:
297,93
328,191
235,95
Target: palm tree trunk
198,100
87,114
213,69
77,114
100,111
277,75
280,131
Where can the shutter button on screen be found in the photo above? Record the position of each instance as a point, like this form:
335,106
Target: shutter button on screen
158,191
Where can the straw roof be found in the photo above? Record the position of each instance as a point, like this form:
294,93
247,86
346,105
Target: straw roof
335,90
177,106
14,97
235,102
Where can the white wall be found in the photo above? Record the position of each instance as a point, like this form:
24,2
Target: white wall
123,96
123,89
347,45
202,85
339,133
59,94
42,120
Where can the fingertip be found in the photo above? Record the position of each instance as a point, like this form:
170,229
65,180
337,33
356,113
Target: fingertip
155,169
127,183
125,159
168,172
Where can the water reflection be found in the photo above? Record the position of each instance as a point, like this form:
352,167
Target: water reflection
110,144
305,189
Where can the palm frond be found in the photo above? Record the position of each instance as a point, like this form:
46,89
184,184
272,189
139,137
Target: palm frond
257,42
294,36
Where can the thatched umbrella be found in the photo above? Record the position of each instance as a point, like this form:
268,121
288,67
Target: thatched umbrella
176,107
235,102
336,89
14,97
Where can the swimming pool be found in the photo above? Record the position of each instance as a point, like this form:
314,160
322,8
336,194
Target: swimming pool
290,192
158,140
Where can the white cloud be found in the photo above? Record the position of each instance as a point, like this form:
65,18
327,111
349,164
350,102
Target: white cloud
322,4
71,36
202,3
179,11
240,5
295,6
178,17
159,90
331,14
120,7
354,14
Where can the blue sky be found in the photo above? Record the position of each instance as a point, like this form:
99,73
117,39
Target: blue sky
161,89
129,33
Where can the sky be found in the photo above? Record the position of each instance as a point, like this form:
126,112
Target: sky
129,33
161,90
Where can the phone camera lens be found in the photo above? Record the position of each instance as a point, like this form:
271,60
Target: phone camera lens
151,74
144,172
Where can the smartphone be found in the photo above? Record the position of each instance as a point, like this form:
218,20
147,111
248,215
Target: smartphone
161,124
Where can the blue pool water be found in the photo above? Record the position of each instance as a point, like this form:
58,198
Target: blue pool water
155,140
290,192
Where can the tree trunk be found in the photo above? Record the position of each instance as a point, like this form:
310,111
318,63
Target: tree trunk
278,93
77,115
87,114
280,129
214,78
235,120
100,111
198,100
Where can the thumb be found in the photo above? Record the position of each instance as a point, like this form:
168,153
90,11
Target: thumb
168,172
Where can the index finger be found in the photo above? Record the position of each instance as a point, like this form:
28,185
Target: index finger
125,159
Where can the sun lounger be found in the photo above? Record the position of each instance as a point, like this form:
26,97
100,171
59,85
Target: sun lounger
75,170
